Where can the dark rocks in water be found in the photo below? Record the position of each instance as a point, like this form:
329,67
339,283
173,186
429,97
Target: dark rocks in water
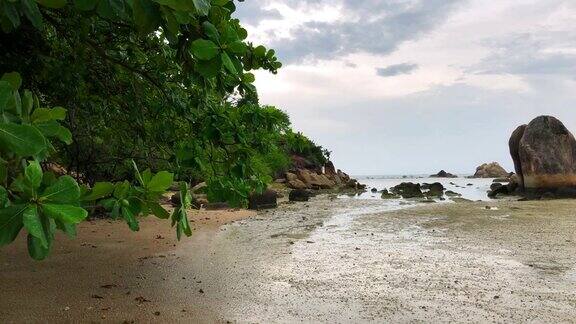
443,174
389,195
266,200
501,180
490,170
495,185
299,195
435,189
374,190
451,193
544,154
408,190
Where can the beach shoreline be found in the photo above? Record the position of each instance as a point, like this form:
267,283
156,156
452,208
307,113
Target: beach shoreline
501,260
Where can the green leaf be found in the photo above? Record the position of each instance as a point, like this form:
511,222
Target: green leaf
56,4
10,223
130,219
63,191
3,197
33,174
209,69
85,5
14,79
33,224
69,229
36,248
237,47
65,213
179,5
248,77
158,210
6,94
161,181
260,51
121,190
211,31
41,115
54,129
99,191
227,62
204,49
27,102
202,6
32,12
24,140
146,15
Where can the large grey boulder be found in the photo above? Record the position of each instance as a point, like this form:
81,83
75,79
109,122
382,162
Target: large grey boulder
544,154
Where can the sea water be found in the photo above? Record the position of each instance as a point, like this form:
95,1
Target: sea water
469,188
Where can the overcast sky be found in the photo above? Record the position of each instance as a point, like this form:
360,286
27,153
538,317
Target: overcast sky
415,86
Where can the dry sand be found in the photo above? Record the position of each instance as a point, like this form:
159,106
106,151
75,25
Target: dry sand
330,260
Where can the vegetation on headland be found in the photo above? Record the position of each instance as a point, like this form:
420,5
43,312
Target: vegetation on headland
162,86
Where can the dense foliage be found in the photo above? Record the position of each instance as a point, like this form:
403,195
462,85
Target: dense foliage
166,84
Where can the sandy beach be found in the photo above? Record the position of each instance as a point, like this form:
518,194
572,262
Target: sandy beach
329,260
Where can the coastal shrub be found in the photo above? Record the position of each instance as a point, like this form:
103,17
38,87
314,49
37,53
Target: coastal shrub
155,84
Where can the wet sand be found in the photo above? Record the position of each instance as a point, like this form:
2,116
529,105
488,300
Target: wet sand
330,260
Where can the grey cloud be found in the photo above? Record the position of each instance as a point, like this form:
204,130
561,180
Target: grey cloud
381,27
251,12
396,69
525,54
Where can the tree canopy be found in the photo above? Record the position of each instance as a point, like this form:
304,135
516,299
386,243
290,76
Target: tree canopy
105,88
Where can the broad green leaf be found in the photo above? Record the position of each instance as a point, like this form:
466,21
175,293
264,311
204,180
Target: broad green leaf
10,223
228,63
202,6
99,191
54,129
260,51
63,191
11,12
32,12
180,5
211,31
248,77
41,115
65,213
204,49
36,249
69,229
130,219
237,47
33,224
146,15
209,69
33,174
121,190
161,181
6,94
27,102
56,4
24,140
14,79
3,197
85,5
158,210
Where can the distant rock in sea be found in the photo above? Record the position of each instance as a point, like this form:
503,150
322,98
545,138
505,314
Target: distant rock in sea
490,170
443,174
